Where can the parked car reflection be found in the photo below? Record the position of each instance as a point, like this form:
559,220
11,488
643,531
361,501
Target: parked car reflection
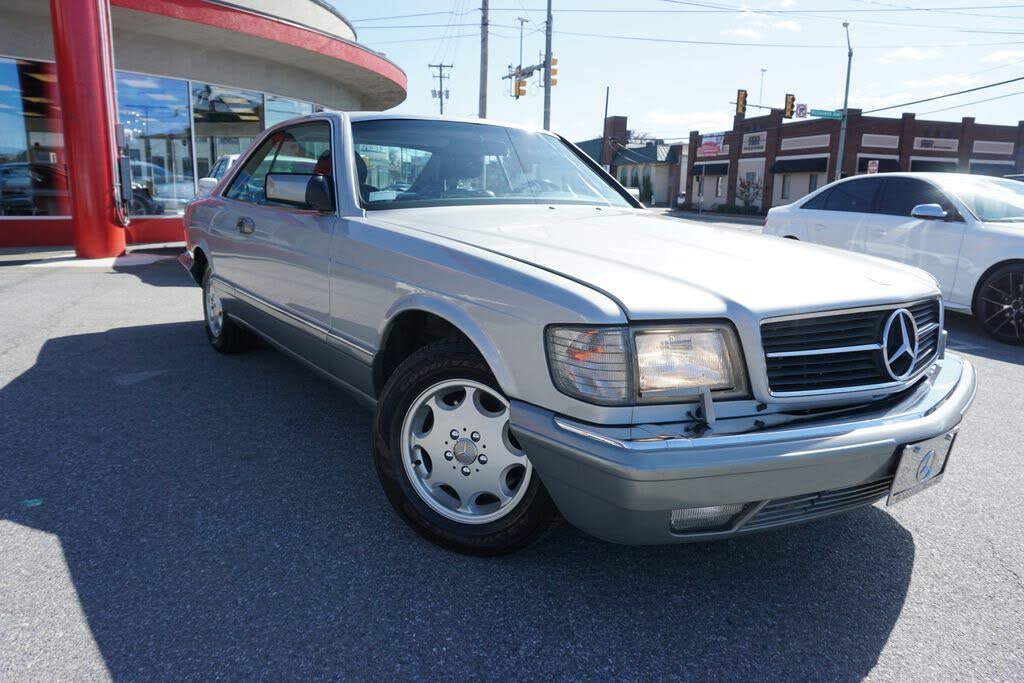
32,189
157,191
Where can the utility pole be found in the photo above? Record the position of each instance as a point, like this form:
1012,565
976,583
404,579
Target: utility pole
441,94
846,102
760,93
484,21
604,121
547,70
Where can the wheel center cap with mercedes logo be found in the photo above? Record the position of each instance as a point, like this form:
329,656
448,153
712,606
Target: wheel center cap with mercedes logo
465,451
900,344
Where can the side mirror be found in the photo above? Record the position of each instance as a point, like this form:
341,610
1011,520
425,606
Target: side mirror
929,212
206,185
301,190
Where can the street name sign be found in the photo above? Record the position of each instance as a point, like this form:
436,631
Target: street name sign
826,114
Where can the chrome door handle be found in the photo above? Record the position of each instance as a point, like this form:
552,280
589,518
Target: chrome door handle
246,226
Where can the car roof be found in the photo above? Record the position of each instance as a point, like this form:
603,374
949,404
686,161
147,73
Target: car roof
356,116
934,176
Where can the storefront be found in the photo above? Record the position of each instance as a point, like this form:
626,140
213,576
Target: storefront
158,91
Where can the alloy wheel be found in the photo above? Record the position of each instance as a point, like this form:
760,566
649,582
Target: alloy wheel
460,455
1003,306
214,311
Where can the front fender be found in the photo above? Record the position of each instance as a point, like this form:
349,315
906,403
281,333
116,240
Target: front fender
458,313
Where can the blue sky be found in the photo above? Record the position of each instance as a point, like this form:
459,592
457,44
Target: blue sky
667,89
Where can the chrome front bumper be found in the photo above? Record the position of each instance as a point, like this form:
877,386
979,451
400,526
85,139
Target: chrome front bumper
622,484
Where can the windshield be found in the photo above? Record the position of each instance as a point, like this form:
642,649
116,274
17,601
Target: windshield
404,163
992,200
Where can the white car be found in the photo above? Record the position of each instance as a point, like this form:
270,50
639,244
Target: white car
219,170
967,231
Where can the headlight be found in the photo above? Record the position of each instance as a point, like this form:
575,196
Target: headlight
683,361
645,364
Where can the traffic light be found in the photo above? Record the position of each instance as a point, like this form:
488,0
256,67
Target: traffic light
787,111
520,90
553,71
741,101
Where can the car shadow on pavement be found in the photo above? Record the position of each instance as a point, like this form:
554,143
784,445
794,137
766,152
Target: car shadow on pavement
965,334
220,517
166,272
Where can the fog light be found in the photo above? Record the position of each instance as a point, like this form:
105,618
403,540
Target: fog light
701,519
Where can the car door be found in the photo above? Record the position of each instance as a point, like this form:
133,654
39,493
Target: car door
838,217
282,251
894,233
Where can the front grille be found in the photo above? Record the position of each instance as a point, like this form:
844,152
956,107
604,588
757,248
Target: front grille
813,505
843,350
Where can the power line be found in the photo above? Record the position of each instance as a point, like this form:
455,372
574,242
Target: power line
828,46
410,16
710,8
967,104
940,97
432,39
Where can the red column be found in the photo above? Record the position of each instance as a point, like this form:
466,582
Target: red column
85,74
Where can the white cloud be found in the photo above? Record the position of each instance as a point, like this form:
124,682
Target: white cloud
877,101
662,122
1000,56
754,25
787,25
909,54
946,81
786,4
743,32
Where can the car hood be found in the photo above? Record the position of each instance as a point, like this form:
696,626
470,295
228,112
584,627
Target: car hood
658,267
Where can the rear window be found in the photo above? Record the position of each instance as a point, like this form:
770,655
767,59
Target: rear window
853,196
817,201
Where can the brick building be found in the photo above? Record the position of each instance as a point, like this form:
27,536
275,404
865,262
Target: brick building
789,160
631,162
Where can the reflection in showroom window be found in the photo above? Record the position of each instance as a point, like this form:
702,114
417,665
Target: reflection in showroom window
154,112
226,120
33,164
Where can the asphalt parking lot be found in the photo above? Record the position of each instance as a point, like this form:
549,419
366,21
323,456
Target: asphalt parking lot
167,512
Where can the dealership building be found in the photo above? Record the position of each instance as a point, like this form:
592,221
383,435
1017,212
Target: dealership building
157,90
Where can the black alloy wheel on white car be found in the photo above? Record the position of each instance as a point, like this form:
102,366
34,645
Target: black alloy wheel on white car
999,304
448,460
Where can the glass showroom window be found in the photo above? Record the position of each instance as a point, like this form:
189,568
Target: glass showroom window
154,112
33,165
278,109
226,121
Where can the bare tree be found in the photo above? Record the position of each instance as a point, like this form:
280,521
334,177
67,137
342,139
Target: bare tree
749,192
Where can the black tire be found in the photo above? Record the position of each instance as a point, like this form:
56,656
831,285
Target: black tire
999,304
531,517
231,337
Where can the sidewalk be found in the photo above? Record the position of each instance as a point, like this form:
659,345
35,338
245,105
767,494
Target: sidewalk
17,256
715,217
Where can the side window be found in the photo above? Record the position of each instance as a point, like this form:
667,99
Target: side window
248,185
817,201
899,196
786,184
303,149
853,196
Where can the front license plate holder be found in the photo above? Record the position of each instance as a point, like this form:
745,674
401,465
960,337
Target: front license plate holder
921,465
